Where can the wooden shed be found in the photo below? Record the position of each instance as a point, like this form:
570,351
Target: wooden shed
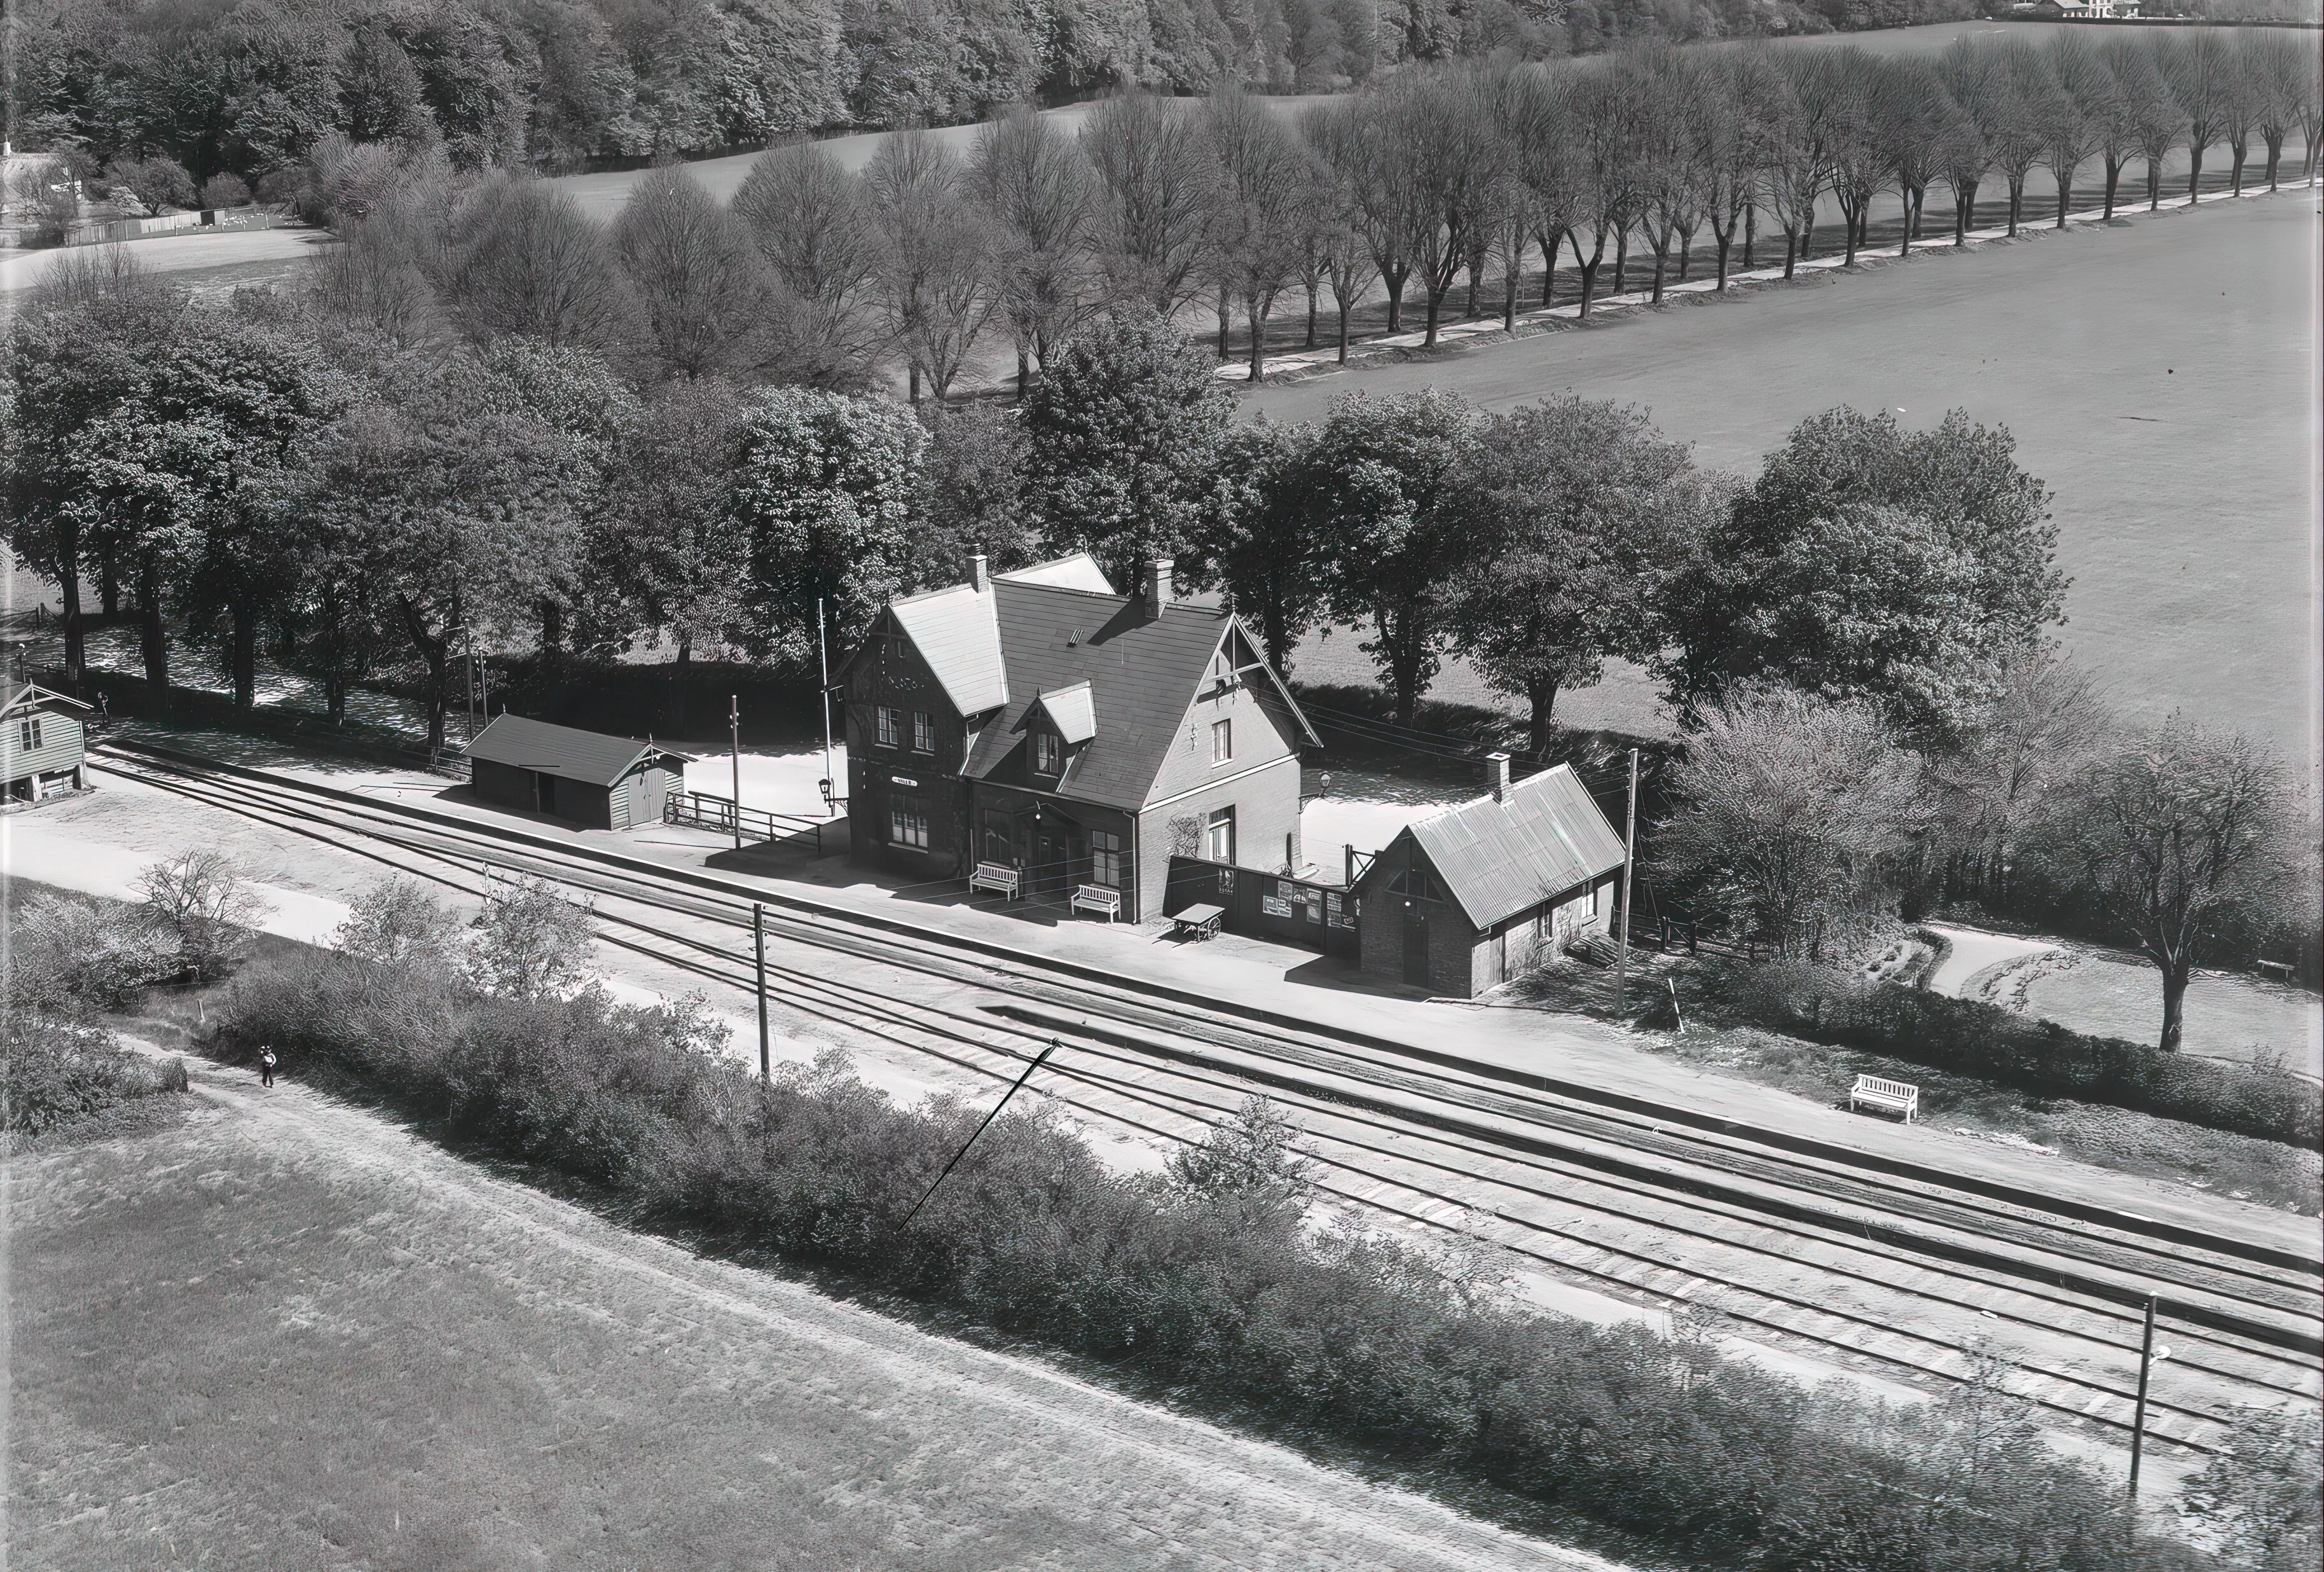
1472,897
43,744
604,783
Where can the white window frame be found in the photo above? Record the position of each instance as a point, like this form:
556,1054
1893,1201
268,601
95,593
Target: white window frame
1049,753
923,731
887,726
1222,742
908,821
1105,858
1220,819
28,731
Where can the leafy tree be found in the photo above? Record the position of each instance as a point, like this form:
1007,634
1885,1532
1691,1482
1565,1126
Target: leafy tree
1588,507
825,490
521,259
1392,489
1263,539
1791,812
1122,437
156,183
1995,786
1905,568
531,941
1258,1155
1043,195
975,467
813,227
397,922
2262,1497
380,91
2175,832
226,190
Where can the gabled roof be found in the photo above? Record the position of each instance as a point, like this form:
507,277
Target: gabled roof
954,631
1072,710
1544,839
19,694
1078,571
563,751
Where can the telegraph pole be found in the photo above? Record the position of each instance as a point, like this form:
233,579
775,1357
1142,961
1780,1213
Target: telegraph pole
2138,1414
822,651
759,944
1630,861
734,727
1038,1060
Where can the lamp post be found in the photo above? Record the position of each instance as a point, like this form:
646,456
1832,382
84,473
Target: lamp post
1630,861
735,730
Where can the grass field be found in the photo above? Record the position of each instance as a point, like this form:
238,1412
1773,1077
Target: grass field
2108,993
2160,377
285,1334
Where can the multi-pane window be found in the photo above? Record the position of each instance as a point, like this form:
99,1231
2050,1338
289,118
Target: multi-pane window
1047,750
908,821
890,726
923,731
28,733
996,836
1222,740
1219,835
1105,859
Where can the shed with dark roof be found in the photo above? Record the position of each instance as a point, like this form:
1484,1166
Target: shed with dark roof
1472,897
605,782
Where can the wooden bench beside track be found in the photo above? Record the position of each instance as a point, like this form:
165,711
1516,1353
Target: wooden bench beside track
998,877
1888,1096
1098,898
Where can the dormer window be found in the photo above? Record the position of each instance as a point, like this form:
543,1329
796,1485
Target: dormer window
1048,752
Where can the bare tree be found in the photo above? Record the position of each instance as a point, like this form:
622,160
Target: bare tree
2074,118
1670,88
2199,67
2154,113
1859,162
1963,69
1358,139
523,260
1152,222
1602,122
807,218
1796,169
1532,110
1446,122
1917,121
1737,130
2029,741
2173,833
934,277
1261,189
2287,72
2243,98
2130,79
695,273
1336,239
2019,91
1043,195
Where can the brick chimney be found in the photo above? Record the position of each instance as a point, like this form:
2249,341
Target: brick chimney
976,578
1497,775
1157,586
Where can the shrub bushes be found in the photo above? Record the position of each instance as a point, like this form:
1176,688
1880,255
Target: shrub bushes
59,1069
1206,1280
1971,1038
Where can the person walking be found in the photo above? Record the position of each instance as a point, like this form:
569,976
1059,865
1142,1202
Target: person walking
266,1066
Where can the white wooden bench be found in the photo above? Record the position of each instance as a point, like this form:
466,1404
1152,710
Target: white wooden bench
998,877
2279,970
1098,898
1888,1096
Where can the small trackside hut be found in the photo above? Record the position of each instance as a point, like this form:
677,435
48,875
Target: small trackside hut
604,783
1465,901
43,744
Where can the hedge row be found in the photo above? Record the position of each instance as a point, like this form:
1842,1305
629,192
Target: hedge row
1221,1294
1971,1038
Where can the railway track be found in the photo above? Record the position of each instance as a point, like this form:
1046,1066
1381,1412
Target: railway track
1871,1262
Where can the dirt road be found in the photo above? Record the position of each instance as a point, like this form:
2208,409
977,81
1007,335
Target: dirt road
286,1333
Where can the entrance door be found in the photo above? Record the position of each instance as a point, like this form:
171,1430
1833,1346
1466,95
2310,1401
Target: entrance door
1416,949
1050,855
547,794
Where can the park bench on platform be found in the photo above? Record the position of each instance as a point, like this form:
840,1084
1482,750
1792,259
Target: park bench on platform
2280,970
998,877
1199,922
1098,898
1889,1096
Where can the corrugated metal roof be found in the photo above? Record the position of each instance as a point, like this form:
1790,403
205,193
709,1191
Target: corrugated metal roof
1072,710
955,633
562,751
1078,571
1546,839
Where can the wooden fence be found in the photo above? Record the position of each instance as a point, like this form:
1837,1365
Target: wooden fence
705,810
1266,905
